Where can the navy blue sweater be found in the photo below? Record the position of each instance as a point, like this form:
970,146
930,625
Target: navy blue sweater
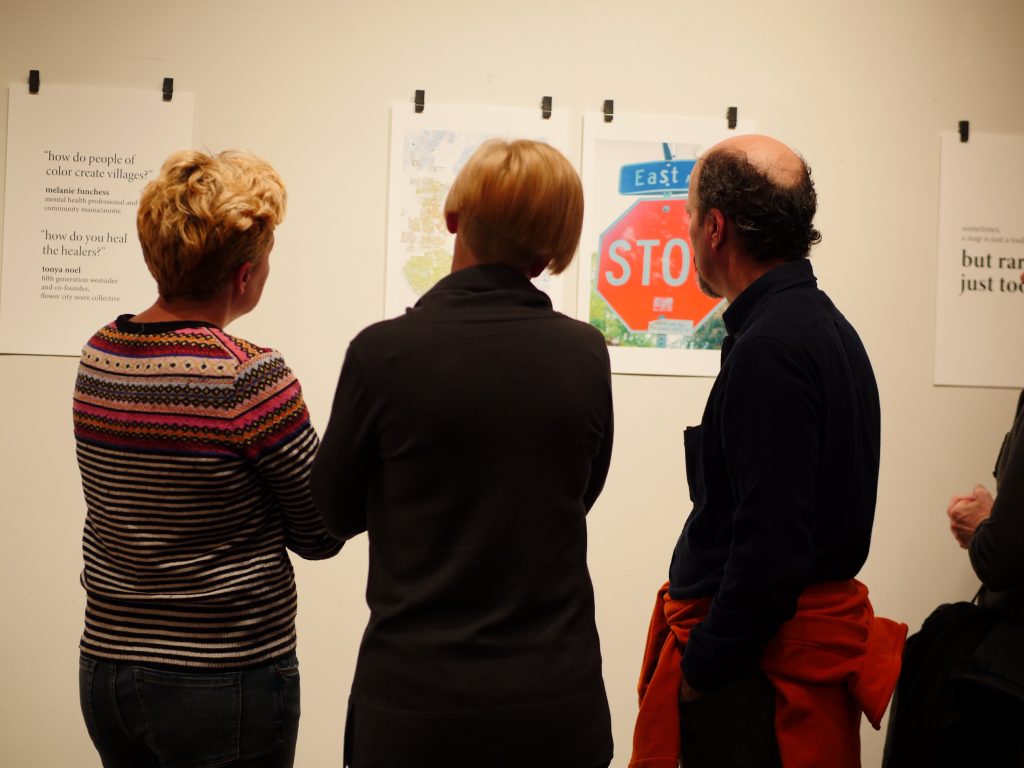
783,471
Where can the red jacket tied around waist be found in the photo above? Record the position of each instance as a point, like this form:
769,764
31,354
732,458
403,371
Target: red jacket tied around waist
832,661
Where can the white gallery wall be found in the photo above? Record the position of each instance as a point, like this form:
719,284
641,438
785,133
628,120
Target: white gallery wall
861,89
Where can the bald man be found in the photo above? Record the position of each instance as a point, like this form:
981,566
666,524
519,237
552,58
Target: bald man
782,472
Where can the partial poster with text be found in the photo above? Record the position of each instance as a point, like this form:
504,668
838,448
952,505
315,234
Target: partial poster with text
980,291
637,283
77,160
428,149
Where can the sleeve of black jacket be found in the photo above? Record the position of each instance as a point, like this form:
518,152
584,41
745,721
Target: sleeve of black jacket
997,547
341,472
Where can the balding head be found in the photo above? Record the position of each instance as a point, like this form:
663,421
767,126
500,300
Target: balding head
765,189
770,156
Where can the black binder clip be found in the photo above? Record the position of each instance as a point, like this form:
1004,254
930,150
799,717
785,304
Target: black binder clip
609,110
168,88
730,116
419,100
33,81
965,130
545,107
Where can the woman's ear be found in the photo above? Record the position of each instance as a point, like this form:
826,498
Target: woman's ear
242,276
451,220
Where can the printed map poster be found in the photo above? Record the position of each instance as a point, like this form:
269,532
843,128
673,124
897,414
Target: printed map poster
77,160
428,149
980,299
637,284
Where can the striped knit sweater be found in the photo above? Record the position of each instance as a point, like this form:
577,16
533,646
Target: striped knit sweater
194,448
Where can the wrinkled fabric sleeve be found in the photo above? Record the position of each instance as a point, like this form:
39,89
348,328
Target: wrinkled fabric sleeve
603,458
274,430
997,547
341,472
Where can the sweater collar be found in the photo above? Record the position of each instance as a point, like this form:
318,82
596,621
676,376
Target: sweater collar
124,324
777,279
485,278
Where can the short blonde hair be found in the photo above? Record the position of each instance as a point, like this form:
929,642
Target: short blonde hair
518,202
205,216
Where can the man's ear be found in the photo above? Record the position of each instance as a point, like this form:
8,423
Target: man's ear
451,220
715,222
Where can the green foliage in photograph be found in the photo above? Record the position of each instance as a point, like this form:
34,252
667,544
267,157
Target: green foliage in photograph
711,334
616,334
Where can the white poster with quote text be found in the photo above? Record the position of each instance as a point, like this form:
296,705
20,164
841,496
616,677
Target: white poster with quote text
77,160
980,300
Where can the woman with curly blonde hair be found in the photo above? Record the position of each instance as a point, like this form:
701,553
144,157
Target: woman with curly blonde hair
195,448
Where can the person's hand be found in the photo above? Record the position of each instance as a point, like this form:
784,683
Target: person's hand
966,512
686,693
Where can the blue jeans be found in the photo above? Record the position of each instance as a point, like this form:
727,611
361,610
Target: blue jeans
141,717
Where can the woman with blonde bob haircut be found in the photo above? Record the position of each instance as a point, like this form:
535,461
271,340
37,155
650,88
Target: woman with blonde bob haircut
195,448
469,438
518,203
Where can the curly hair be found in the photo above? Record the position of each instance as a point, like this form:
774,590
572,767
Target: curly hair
204,216
774,221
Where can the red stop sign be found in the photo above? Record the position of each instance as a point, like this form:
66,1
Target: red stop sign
645,270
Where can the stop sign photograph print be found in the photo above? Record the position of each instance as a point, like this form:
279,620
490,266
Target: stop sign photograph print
638,285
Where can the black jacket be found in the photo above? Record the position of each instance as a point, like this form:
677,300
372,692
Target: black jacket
997,555
469,438
960,700
997,547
